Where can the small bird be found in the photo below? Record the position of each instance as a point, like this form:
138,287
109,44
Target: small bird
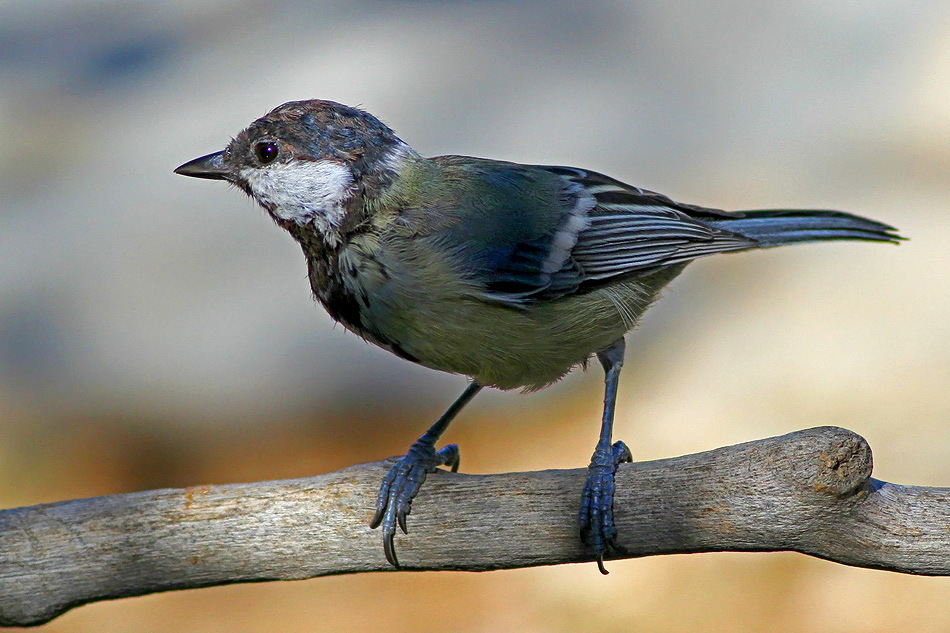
509,274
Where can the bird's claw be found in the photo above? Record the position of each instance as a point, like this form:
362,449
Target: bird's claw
400,486
597,501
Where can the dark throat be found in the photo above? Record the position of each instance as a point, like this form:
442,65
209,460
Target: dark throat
326,280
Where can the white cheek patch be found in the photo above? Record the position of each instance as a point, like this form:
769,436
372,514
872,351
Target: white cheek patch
302,191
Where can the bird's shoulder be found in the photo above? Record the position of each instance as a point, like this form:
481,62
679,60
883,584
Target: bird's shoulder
484,200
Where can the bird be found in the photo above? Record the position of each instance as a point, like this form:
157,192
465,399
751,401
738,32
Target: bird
507,273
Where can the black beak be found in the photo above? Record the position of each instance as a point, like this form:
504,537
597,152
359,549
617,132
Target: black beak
211,167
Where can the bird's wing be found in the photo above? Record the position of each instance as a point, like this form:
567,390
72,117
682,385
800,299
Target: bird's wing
606,230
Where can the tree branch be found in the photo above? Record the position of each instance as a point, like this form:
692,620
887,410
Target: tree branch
808,492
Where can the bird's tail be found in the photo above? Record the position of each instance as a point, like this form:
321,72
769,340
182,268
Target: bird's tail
787,226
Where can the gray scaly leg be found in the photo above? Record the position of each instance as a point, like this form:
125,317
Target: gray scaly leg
597,501
407,475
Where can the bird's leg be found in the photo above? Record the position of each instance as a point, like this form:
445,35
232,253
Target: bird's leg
407,475
597,501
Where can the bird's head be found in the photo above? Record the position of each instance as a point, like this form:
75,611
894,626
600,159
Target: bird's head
306,162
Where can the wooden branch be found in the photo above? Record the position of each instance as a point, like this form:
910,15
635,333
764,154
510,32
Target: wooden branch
808,491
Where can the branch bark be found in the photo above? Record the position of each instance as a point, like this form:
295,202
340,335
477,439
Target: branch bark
808,491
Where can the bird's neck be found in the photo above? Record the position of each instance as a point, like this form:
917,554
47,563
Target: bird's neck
394,179
398,180
380,188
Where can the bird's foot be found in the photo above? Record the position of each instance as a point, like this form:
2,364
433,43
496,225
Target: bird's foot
597,501
400,485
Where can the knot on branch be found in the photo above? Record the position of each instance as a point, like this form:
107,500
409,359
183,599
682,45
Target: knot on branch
841,467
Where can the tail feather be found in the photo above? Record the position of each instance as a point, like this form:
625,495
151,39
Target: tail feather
786,226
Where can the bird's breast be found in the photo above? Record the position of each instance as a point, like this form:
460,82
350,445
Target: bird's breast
351,288
416,306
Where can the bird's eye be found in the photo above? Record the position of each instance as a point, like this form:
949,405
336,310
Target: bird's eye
266,151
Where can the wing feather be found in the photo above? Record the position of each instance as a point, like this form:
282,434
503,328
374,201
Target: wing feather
613,230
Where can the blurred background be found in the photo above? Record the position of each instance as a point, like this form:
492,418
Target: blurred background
158,331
